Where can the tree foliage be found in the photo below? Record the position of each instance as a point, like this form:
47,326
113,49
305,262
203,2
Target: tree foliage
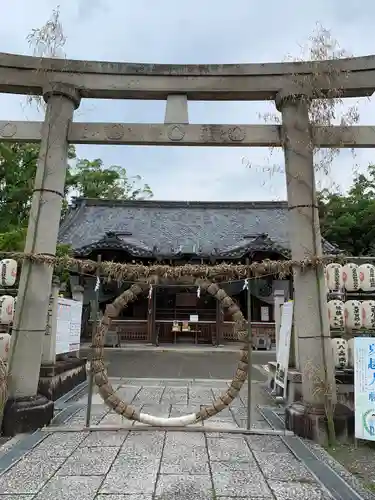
348,220
18,164
324,112
89,179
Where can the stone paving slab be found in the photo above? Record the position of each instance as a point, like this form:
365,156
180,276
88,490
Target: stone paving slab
131,464
172,465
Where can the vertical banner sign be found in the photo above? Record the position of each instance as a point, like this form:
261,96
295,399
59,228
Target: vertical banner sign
283,351
364,387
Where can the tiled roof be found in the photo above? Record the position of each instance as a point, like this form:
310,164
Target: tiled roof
174,228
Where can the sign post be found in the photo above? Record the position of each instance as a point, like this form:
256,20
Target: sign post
249,345
364,388
94,329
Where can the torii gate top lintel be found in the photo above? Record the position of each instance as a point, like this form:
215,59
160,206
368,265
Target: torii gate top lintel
120,80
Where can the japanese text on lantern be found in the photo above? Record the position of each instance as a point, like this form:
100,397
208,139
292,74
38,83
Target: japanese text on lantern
371,372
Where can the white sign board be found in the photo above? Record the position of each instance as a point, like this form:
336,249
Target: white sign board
68,328
193,318
264,313
364,387
283,351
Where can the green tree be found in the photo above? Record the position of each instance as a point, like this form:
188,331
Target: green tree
18,164
348,220
89,179
17,172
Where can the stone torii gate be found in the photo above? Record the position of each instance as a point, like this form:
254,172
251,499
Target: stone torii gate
63,83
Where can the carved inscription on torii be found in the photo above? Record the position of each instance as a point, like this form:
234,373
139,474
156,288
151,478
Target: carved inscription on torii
157,134
187,135
222,133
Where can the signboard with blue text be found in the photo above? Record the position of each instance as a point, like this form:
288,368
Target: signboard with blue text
364,387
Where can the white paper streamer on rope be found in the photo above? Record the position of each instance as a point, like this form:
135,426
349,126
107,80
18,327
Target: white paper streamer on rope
245,284
199,292
150,293
97,284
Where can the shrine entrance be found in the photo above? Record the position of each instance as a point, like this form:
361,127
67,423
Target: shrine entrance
292,86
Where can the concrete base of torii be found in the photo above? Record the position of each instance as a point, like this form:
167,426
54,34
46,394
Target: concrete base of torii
27,414
312,424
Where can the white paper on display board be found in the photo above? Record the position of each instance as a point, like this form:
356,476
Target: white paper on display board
283,351
264,313
68,328
364,387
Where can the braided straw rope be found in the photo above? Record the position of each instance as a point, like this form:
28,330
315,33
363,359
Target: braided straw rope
99,372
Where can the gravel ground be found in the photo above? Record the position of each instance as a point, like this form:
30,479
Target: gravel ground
355,464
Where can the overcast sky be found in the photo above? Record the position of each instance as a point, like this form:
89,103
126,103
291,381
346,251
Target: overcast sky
208,31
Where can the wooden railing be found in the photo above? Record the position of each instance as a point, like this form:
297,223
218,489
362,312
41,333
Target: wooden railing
136,331
258,328
133,330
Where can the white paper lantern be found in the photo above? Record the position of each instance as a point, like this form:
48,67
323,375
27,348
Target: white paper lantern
8,272
368,313
350,276
334,276
6,309
336,313
353,314
366,274
351,353
340,353
4,346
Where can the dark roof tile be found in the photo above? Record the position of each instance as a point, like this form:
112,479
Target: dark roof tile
174,227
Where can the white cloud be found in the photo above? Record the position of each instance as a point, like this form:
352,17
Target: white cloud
191,32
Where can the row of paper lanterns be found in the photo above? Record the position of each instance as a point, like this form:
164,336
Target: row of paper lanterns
350,277
352,314
8,277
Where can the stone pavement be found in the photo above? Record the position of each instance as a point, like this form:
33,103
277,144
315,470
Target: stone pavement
135,464
179,364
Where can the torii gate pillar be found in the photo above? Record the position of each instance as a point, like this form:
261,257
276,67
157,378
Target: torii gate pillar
307,418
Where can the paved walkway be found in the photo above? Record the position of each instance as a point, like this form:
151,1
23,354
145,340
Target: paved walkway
180,364
135,464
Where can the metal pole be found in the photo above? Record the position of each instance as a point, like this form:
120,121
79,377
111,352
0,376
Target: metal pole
94,328
249,348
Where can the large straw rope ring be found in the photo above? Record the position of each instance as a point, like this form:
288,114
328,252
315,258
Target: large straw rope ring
125,409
